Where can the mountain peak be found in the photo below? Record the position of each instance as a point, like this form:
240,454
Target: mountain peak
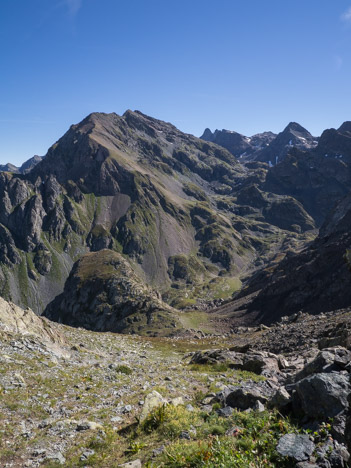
207,135
295,127
345,127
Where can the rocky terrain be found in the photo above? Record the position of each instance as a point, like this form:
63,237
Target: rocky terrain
258,396
199,301
103,293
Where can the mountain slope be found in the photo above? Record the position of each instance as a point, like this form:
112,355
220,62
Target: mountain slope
189,218
239,145
315,280
134,185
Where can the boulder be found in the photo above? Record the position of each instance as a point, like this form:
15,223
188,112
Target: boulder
323,396
132,464
153,400
296,446
261,362
280,400
217,356
244,398
332,455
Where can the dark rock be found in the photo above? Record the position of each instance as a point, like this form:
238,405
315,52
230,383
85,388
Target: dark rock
225,412
245,398
327,360
298,447
323,396
280,400
233,359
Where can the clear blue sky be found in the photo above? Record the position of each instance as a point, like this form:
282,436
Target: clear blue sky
244,65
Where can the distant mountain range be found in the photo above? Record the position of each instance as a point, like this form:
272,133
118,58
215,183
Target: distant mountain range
127,222
26,167
267,146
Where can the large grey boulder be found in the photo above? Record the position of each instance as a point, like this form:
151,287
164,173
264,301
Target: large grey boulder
296,446
152,401
261,362
323,396
244,398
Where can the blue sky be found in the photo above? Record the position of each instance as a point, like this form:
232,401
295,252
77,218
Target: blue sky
244,65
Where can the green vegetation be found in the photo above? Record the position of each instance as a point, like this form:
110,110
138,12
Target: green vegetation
122,369
242,440
194,190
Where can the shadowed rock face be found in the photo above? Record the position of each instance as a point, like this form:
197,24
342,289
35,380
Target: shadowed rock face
185,212
317,279
103,293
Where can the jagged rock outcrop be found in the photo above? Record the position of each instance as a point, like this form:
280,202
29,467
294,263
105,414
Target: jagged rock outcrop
17,323
294,135
13,319
103,293
239,145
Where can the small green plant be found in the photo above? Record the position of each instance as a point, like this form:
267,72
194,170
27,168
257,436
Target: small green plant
136,446
216,406
155,419
216,368
122,369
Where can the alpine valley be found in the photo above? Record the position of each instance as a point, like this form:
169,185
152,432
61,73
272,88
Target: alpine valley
129,225
171,301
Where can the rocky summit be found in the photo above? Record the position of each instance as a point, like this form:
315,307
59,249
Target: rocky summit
175,301
193,222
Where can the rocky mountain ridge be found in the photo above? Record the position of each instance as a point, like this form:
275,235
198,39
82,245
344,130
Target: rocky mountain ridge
190,219
267,146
